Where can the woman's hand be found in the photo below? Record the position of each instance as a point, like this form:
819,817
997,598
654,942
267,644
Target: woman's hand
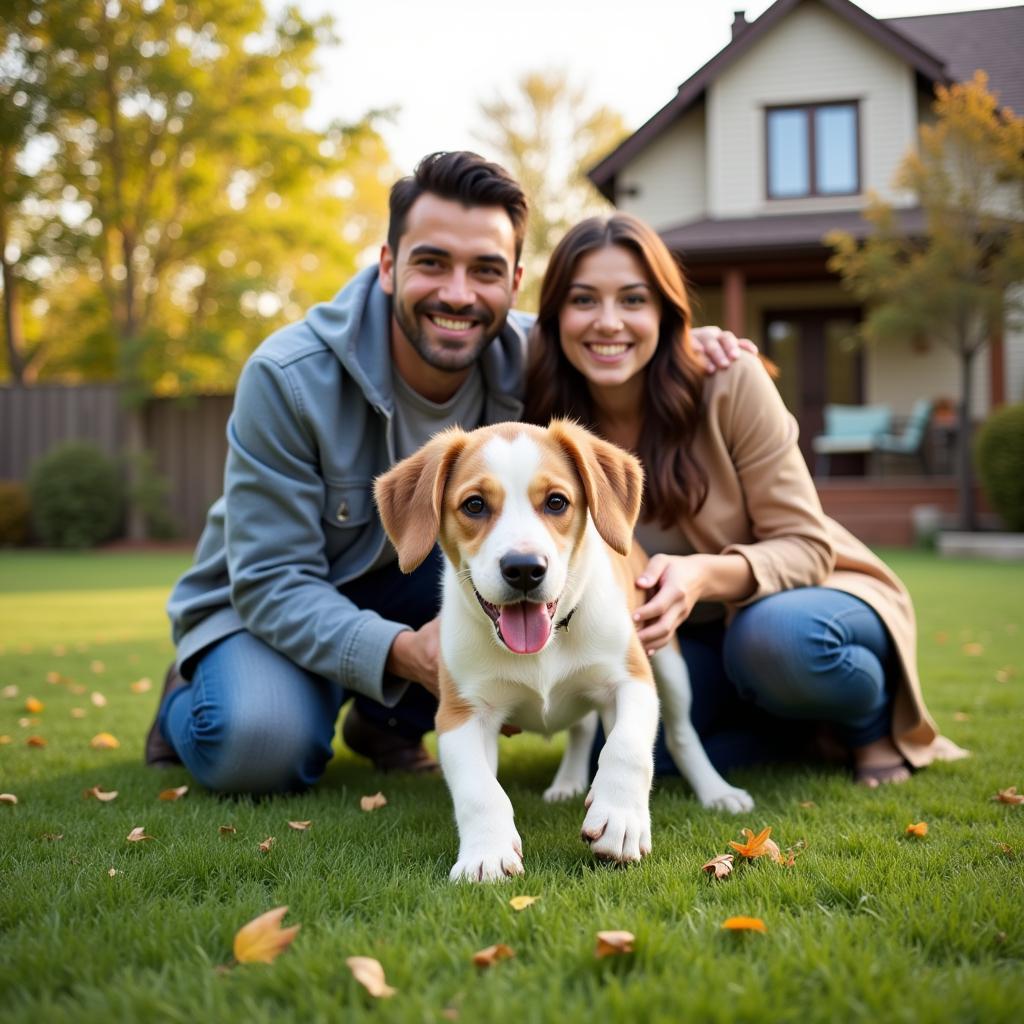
677,582
719,348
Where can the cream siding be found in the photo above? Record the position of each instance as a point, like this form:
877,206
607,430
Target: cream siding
665,184
1013,341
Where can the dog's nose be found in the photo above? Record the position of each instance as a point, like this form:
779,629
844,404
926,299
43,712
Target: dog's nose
523,571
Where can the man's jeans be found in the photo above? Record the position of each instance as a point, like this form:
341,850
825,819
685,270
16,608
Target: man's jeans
254,722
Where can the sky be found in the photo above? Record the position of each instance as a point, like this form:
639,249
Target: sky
435,60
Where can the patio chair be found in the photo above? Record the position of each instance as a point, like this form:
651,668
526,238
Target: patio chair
911,443
850,429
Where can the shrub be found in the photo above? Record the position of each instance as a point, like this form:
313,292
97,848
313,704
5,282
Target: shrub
14,513
999,456
77,496
150,496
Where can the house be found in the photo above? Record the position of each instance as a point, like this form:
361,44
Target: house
778,139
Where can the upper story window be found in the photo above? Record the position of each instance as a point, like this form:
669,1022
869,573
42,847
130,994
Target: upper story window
813,150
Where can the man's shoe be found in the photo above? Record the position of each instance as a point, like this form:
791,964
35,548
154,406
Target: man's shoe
158,751
389,751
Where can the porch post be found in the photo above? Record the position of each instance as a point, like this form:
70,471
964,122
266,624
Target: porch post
734,301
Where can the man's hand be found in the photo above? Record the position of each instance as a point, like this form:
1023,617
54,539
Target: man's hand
719,348
414,655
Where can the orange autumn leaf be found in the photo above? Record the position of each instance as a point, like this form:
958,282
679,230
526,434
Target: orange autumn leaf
138,835
267,843
613,944
370,974
920,829
104,741
757,846
96,667
492,954
35,741
8,798
4,740
54,678
1009,796
173,794
973,649
263,939
744,924
142,685
522,902
371,803
720,866
300,826
33,705
103,795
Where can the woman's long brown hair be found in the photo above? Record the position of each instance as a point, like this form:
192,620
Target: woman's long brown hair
675,484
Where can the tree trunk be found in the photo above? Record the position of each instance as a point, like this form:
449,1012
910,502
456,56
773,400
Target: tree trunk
12,311
134,450
965,452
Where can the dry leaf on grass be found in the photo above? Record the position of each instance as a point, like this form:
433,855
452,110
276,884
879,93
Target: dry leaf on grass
52,837
492,954
26,722
1009,796
941,638
142,685
370,974
95,793
104,741
263,939
920,829
138,834
1005,848
961,716
614,944
173,794
371,803
35,741
96,667
807,804
758,846
973,649
744,924
78,712
8,798
720,866
522,902
59,650
112,872
98,699
54,678
4,740
1004,674
267,843
300,826
227,830
9,691
33,705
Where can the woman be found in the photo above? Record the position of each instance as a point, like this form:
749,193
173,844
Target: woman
786,619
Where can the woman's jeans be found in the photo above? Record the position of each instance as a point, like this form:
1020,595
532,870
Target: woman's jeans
254,722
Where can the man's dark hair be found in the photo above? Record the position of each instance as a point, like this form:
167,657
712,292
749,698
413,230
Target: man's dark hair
465,178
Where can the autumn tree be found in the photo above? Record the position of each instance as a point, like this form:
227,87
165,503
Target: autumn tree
959,280
547,135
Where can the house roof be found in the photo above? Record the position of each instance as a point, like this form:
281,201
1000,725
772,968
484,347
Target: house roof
765,236
940,48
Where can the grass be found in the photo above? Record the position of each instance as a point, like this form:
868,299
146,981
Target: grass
868,925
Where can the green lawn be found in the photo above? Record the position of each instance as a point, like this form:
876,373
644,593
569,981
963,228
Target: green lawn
869,923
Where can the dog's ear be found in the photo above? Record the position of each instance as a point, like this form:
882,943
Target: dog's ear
409,496
612,480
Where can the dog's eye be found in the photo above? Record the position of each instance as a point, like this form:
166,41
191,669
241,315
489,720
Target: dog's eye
474,506
557,503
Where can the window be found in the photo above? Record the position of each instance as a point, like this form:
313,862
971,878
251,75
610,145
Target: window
813,151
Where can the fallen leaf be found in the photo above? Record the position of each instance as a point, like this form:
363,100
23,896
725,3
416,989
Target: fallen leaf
920,829
300,826
720,866
961,716
8,798
98,699
744,924
808,803
1005,848
371,803
36,741
757,846
522,902
100,794
96,667
450,1013
26,722
370,974
1003,674
104,741
263,939
614,944
941,638
227,830
53,678
112,872
142,685
173,794
492,954
52,837
77,688
78,712
138,834
267,843
10,691
33,705
973,649
59,650
1009,796
4,740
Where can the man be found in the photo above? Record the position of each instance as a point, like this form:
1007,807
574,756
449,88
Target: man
295,601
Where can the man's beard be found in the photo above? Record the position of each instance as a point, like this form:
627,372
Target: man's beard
451,361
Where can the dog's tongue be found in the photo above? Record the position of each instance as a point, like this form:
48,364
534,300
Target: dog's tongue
524,627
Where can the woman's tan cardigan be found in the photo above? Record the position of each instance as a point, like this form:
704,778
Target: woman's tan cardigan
762,504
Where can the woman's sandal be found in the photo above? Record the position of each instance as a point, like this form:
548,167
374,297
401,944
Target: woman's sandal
874,775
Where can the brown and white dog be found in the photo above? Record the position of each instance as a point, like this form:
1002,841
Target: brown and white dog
536,631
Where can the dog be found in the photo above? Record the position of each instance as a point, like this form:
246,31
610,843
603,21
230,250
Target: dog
536,525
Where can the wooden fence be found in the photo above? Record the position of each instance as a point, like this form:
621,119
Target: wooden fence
186,437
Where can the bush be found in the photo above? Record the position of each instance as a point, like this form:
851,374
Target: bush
14,513
999,456
150,495
77,497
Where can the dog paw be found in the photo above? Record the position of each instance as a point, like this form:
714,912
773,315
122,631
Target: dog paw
729,798
488,863
620,834
559,791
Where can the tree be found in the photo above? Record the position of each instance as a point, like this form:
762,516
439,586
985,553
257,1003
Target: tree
547,136
960,279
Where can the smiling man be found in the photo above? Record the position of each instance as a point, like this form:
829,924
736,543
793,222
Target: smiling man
295,602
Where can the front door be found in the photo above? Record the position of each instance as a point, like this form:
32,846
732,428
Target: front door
820,360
